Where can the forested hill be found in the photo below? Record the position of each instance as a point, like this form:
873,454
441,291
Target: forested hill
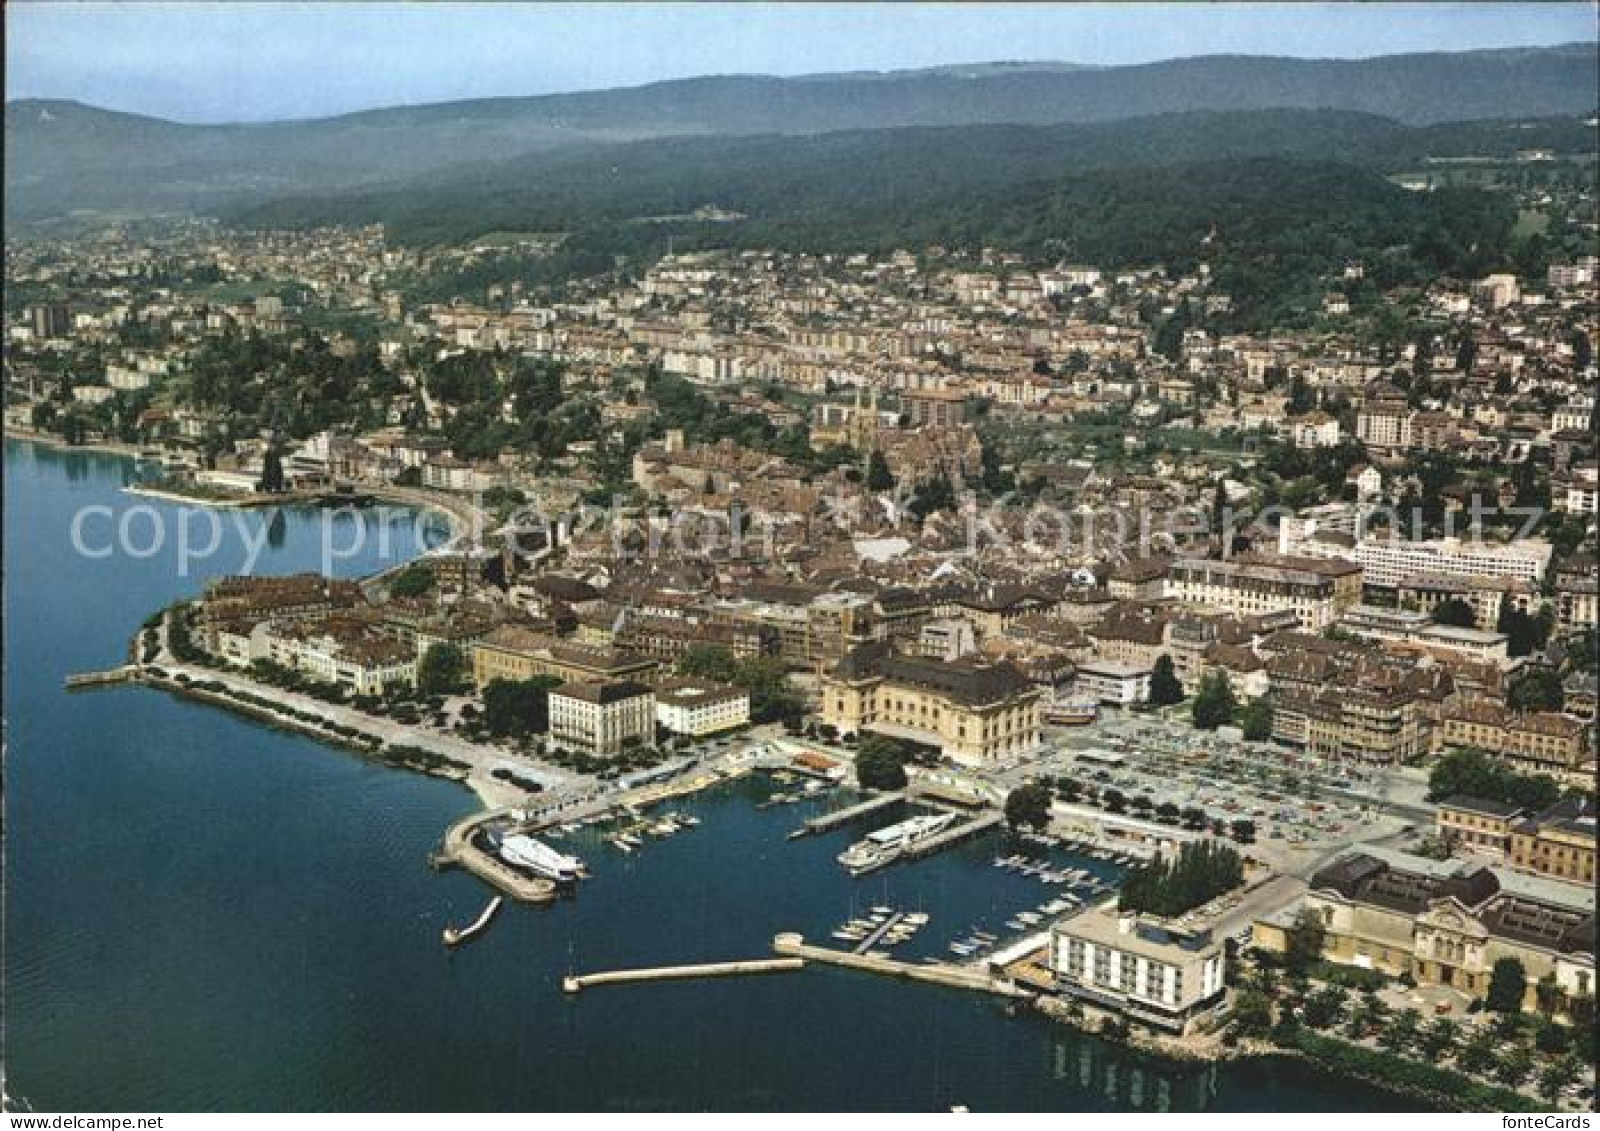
839,179
63,156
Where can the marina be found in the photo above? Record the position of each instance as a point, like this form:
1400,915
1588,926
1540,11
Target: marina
362,917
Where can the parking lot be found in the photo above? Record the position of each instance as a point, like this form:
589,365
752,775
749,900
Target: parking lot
1303,809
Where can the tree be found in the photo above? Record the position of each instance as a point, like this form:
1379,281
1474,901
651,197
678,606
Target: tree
1474,773
1558,1076
1252,1013
1537,690
1256,719
1401,1033
1440,1038
1522,631
881,763
1029,805
1477,1056
1165,689
516,708
1514,1067
271,481
935,495
1200,871
1304,940
413,581
1455,612
1508,983
442,670
1325,1007
1214,704
879,477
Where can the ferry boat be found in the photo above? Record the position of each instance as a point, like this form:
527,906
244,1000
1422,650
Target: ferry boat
888,844
541,859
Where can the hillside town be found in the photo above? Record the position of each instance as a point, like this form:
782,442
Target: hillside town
943,520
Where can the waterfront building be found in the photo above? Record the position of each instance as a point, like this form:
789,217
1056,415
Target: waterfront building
602,719
1149,970
1447,922
345,651
975,713
1378,725
698,707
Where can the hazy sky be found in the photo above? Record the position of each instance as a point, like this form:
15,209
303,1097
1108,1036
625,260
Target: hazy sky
244,61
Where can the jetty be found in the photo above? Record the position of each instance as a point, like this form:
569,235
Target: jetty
952,835
792,944
83,681
458,848
576,983
454,937
833,820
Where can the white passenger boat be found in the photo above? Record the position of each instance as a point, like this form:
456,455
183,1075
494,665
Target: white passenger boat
541,859
889,844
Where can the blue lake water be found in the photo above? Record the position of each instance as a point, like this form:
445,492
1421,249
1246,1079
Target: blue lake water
205,913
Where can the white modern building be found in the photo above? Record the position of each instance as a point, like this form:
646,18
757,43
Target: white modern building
700,707
1389,562
1120,683
1148,970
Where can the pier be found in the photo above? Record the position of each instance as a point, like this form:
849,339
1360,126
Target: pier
873,939
576,983
952,835
127,673
459,849
453,937
833,820
938,973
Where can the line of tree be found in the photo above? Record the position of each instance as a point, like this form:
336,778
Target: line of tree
1169,886
1475,774
517,708
764,678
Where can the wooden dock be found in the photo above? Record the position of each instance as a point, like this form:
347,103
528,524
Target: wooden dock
576,983
876,936
833,820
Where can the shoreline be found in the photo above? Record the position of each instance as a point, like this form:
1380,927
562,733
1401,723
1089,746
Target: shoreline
465,517
1210,1051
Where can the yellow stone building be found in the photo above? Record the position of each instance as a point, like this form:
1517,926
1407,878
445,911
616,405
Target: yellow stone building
514,653
1448,922
975,713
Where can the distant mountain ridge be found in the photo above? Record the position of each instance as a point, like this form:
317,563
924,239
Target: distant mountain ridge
64,156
